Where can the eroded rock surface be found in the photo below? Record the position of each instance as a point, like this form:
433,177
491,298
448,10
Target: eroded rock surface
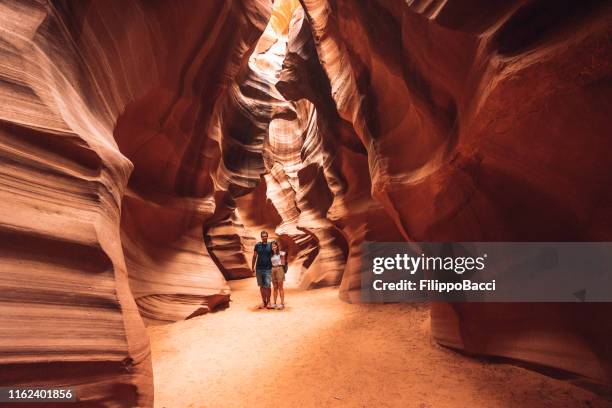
145,145
93,94
485,121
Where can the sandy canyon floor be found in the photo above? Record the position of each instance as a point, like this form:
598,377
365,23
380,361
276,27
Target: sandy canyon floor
322,352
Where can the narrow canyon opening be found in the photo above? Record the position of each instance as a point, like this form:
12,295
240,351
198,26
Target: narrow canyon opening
145,145
284,91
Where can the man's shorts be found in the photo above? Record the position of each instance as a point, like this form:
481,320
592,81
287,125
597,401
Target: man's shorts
264,277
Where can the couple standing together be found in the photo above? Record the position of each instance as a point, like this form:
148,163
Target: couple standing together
269,264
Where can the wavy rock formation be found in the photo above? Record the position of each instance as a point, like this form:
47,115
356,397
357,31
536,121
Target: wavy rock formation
334,152
94,93
145,145
484,122
277,143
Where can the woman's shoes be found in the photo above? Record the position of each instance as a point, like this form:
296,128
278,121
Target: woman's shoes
274,306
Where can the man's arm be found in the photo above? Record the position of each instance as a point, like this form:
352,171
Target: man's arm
253,261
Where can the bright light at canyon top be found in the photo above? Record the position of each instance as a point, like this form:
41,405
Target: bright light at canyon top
267,58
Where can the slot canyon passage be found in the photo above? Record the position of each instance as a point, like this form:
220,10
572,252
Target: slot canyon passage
145,144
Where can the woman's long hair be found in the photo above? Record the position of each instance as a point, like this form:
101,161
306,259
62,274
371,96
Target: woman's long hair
278,250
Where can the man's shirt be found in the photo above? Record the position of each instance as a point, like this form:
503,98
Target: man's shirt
264,255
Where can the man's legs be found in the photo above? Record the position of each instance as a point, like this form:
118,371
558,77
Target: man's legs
261,281
267,281
268,294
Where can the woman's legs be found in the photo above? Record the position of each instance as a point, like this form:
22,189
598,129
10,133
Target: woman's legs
281,290
275,285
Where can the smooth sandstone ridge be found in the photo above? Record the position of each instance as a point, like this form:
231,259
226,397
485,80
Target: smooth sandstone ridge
145,144
485,121
110,142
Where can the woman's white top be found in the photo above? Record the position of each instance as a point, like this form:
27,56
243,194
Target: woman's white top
277,259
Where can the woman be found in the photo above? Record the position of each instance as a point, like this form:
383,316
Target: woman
279,261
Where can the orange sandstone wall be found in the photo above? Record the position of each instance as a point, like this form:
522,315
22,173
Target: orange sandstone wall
130,130
484,121
94,93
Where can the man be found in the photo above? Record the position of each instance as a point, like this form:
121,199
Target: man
262,267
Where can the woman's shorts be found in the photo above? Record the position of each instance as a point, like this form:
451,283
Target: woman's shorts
278,274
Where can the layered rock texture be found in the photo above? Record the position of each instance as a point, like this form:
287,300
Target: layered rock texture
145,144
484,121
110,141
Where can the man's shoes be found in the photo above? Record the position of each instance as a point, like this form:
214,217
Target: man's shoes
271,307
262,306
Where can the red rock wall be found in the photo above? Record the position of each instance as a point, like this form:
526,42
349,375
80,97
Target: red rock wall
484,121
333,157
286,155
129,129
94,93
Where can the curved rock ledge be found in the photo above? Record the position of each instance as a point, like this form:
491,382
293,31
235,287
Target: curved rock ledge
484,123
94,93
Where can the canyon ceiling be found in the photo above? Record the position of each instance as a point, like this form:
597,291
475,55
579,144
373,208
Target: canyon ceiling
144,145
